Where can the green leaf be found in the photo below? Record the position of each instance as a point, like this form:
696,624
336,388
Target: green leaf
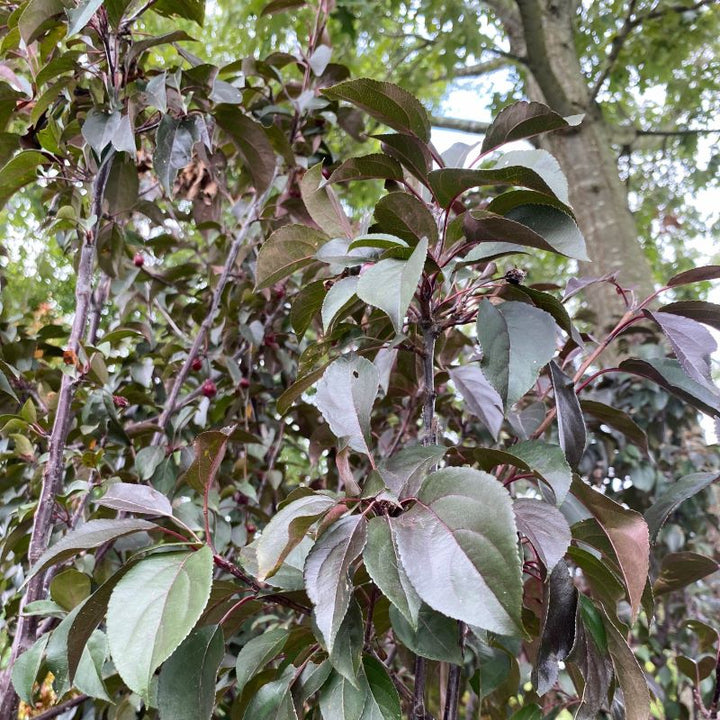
186,687
536,226
252,143
402,214
376,699
327,569
139,499
404,471
152,610
679,491
668,374
571,423
256,653
286,529
57,652
367,167
287,250
174,142
80,15
34,16
277,6
306,304
323,205
345,397
458,546
189,9
517,341
121,189
632,681
147,461
273,700
387,103
90,535
524,120
6,387
383,565
26,668
69,588
546,528
434,636
628,534
19,172
340,296
481,398
550,304
678,570
346,654
391,284
89,675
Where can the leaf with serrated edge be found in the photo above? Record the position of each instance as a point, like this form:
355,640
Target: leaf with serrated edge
391,284
286,529
384,567
152,609
435,637
256,653
546,528
186,687
327,568
323,205
90,535
288,249
458,545
345,397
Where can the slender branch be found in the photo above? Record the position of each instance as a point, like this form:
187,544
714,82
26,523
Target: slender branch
252,216
468,126
55,466
61,708
678,132
479,69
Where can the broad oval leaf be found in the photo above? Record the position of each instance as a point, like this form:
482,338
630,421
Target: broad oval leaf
391,284
705,312
338,297
434,636
698,274
345,397
141,499
90,535
458,545
628,534
404,472
346,654
517,341
402,214
410,152
327,573
252,143
679,491
480,397
618,420
388,103
382,563
256,653
152,609
374,166
571,423
691,342
26,667
524,120
323,205
286,529
678,570
186,687
546,528
288,249
19,172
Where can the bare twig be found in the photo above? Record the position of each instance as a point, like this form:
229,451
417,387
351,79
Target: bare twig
61,708
468,126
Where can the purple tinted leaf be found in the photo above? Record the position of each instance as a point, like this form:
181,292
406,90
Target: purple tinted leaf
704,312
372,166
692,343
524,120
558,635
410,152
571,423
708,272
669,374
141,499
681,569
575,285
480,397
685,488
546,528
618,420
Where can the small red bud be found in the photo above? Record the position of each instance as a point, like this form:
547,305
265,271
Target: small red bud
196,364
251,529
138,260
209,389
120,402
244,383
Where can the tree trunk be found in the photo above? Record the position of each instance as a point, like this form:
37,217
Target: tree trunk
542,31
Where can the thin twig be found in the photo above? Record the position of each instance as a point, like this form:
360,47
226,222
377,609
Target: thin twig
62,708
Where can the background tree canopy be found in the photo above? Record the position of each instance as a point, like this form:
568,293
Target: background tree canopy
287,428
